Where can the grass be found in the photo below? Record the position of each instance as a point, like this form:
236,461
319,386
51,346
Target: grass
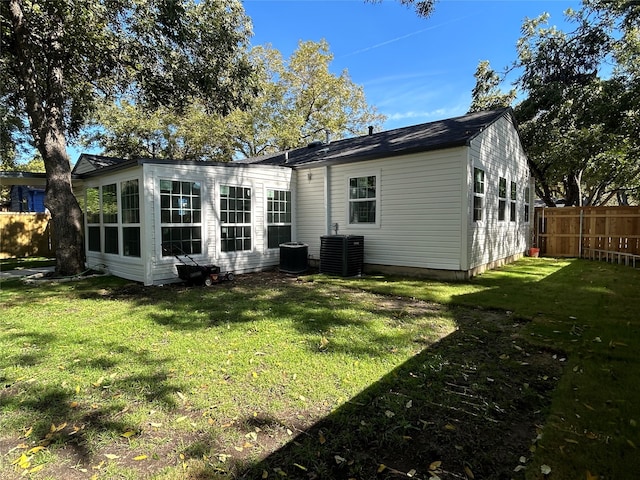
119,381
589,311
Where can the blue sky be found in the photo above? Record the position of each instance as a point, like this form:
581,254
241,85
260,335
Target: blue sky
412,69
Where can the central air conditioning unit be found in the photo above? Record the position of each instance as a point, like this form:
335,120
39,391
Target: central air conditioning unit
342,255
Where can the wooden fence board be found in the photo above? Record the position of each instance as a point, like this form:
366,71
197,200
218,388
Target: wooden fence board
572,231
25,235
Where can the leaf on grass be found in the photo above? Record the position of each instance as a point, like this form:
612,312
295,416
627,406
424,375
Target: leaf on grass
74,405
545,469
411,473
321,438
570,440
435,465
23,461
519,468
111,456
128,434
157,425
181,395
591,477
339,459
181,419
36,449
140,457
389,413
409,404
468,472
323,343
381,468
265,474
28,432
37,468
449,427
631,444
301,467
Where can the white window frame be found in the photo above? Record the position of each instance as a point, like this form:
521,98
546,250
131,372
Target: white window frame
477,194
277,224
228,224
376,223
168,254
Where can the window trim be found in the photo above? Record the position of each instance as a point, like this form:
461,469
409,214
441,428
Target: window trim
513,212
277,224
348,200
161,225
502,199
479,195
103,231
249,225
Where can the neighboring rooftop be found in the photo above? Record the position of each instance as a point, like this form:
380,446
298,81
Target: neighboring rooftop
452,132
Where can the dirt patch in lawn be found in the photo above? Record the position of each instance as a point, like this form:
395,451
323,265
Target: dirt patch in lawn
467,407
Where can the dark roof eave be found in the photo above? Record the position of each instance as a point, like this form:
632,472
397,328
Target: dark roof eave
375,155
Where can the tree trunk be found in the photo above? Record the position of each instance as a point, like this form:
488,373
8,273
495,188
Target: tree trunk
45,109
66,215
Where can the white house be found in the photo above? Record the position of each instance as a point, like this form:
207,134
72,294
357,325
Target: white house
447,198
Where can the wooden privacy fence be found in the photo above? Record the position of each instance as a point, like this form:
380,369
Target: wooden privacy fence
25,235
604,233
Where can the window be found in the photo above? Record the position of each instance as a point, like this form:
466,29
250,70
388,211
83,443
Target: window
235,218
105,223
130,201
110,218
527,194
180,217
502,199
512,215
478,194
362,199
92,216
109,204
278,217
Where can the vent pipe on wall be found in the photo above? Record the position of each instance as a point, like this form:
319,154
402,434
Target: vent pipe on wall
370,129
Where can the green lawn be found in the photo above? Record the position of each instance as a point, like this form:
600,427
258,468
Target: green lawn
105,379
588,310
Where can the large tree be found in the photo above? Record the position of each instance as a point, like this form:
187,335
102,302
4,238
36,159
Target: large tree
59,57
299,100
579,117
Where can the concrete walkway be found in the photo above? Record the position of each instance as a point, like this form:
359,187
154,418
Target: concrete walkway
25,272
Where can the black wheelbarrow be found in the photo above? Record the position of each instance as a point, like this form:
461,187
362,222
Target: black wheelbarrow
195,274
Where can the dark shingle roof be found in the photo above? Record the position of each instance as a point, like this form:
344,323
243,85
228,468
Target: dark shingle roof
452,132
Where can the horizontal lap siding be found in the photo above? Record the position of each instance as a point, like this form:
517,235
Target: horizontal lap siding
497,150
310,213
419,208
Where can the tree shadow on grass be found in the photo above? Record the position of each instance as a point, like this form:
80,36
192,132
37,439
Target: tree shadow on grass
471,401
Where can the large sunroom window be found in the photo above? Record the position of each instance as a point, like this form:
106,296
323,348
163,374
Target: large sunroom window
180,217
235,218
112,215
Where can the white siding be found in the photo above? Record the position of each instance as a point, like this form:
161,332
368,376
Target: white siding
419,208
497,151
310,218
